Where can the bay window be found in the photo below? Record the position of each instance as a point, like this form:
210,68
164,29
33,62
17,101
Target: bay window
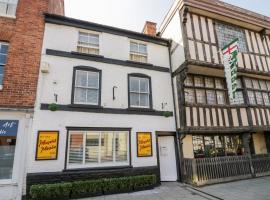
8,7
87,86
98,149
139,91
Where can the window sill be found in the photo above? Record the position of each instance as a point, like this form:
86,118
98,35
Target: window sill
86,54
8,16
141,109
98,168
84,106
7,182
139,63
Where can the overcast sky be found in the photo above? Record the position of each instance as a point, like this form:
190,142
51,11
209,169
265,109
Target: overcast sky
132,14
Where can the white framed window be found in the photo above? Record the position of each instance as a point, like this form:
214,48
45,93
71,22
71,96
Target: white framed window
139,92
8,7
87,87
88,43
87,149
138,52
3,60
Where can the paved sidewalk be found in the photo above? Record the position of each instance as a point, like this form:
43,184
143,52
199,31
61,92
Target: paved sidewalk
252,189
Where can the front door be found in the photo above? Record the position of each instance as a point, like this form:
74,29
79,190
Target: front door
167,161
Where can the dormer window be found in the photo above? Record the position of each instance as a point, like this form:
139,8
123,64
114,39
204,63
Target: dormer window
227,33
88,43
8,7
138,52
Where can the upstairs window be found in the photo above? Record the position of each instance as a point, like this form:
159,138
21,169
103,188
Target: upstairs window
8,7
239,96
87,86
139,92
258,91
88,43
3,60
138,52
227,33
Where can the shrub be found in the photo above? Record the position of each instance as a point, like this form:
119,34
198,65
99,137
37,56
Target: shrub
86,188
113,185
50,191
143,181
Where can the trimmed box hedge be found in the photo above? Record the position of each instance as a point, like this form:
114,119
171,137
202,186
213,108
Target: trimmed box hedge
81,189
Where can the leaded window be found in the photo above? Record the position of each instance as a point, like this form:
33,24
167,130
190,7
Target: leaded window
227,33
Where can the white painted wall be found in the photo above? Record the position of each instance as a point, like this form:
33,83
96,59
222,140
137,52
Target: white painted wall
173,31
65,38
59,81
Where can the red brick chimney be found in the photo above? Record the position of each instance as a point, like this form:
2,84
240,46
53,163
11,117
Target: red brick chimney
150,28
56,7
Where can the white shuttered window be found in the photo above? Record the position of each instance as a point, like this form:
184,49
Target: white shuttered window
98,149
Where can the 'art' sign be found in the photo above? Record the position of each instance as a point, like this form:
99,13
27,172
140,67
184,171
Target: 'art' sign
9,127
230,53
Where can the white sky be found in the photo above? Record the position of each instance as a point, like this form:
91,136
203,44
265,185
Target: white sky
132,14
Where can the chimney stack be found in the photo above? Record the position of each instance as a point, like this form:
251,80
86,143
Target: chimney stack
56,7
150,28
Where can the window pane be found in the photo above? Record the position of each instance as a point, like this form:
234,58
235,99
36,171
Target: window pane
93,79
259,98
76,148
198,146
134,47
220,146
200,94
92,147
81,78
263,85
268,85
92,96
189,96
144,100
134,84
239,83
248,83
189,81
107,147
211,97
209,82
209,146
220,97
219,83
251,97
198,81
80,95
3,48
7,152
266,99
144,85
121,147
143,49
239,98
255,84
134,99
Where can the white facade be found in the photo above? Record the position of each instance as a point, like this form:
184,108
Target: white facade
59,81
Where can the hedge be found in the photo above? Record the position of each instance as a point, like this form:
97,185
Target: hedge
80,189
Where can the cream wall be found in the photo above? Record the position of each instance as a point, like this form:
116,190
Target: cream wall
188,147
259,143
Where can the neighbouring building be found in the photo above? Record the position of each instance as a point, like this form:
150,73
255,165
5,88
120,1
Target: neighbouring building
104,99
21,33
225,139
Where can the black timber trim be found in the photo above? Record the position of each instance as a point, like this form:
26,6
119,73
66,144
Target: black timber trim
88,69
91,109
67,21
98,58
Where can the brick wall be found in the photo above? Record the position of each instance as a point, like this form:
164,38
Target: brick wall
24,35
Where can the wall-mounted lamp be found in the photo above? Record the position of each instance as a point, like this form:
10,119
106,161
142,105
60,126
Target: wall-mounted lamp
114,87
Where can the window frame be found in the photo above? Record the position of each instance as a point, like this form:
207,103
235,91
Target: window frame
100,130
4,65
138,53
15,11
88,69
138,75
89,46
